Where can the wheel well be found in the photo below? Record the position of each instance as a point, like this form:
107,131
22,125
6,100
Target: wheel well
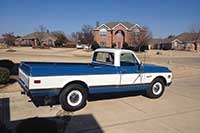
162,78
76,82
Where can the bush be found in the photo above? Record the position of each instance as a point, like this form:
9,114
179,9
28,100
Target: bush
114,45
143,48
125,45
58,43
41,47
4,75
95,46
69,45
3,46
10,50
7,64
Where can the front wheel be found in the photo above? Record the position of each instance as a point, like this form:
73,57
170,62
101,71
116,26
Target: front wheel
73,97
156,89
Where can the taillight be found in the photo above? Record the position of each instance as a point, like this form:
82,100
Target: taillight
37,81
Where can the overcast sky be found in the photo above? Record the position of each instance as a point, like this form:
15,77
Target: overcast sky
163,17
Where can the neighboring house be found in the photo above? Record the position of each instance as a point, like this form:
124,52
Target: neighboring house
1,40
184,41
31,39
115,32
155,43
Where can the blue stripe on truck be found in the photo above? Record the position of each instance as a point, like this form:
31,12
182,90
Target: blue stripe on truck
121,88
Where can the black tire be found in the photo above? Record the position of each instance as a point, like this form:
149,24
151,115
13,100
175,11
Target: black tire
73,97
156,88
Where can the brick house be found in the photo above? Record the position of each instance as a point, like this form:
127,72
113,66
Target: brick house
115,32
31,40
184,41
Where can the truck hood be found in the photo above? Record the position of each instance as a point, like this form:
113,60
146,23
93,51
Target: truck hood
150,68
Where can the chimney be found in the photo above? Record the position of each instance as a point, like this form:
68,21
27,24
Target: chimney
97,23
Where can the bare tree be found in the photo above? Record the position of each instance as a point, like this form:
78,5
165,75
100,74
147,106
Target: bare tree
84,36
9,38
87,31
76,36
40,33
195,29
140,38
61,38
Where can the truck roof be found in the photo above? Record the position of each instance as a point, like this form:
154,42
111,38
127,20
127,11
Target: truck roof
117,53
112,50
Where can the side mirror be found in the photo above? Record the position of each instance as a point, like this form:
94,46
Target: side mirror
140,65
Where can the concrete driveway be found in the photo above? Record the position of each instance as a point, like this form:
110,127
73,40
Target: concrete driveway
177,111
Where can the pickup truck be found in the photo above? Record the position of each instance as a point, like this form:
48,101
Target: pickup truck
111,70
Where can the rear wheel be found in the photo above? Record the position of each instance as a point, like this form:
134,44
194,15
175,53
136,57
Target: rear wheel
73,97
156,88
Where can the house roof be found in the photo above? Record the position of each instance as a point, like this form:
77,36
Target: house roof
187,37
183,37
111,25
168,40
155,41
35,34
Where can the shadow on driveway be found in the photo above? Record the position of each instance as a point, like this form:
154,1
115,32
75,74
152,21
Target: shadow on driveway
64,122
105,96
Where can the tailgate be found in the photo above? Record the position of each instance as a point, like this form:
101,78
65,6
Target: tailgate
24,74
23,77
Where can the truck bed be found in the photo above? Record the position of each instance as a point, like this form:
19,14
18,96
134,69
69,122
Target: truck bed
59,69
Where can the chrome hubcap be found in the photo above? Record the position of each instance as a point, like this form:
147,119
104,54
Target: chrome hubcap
74,98
157,88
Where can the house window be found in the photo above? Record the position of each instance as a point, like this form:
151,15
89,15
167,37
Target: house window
136,32
50,43
119,34
103,32
103,44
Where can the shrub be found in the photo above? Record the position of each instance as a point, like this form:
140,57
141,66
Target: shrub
58,43
4,75
69,45
7,64
10,50
3,46
143,48
95,45
114,45
41,47
125,45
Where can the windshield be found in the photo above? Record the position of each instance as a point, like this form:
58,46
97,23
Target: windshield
128,59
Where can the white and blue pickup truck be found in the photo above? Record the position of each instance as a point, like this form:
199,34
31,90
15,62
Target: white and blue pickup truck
111,70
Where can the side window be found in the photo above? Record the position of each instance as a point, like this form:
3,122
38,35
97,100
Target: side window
128,59
103,57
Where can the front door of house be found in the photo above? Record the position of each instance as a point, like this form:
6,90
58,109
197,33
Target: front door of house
119,45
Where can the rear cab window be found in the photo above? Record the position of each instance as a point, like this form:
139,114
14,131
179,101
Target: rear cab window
104,57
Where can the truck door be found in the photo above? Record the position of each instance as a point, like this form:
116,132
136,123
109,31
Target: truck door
130,73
